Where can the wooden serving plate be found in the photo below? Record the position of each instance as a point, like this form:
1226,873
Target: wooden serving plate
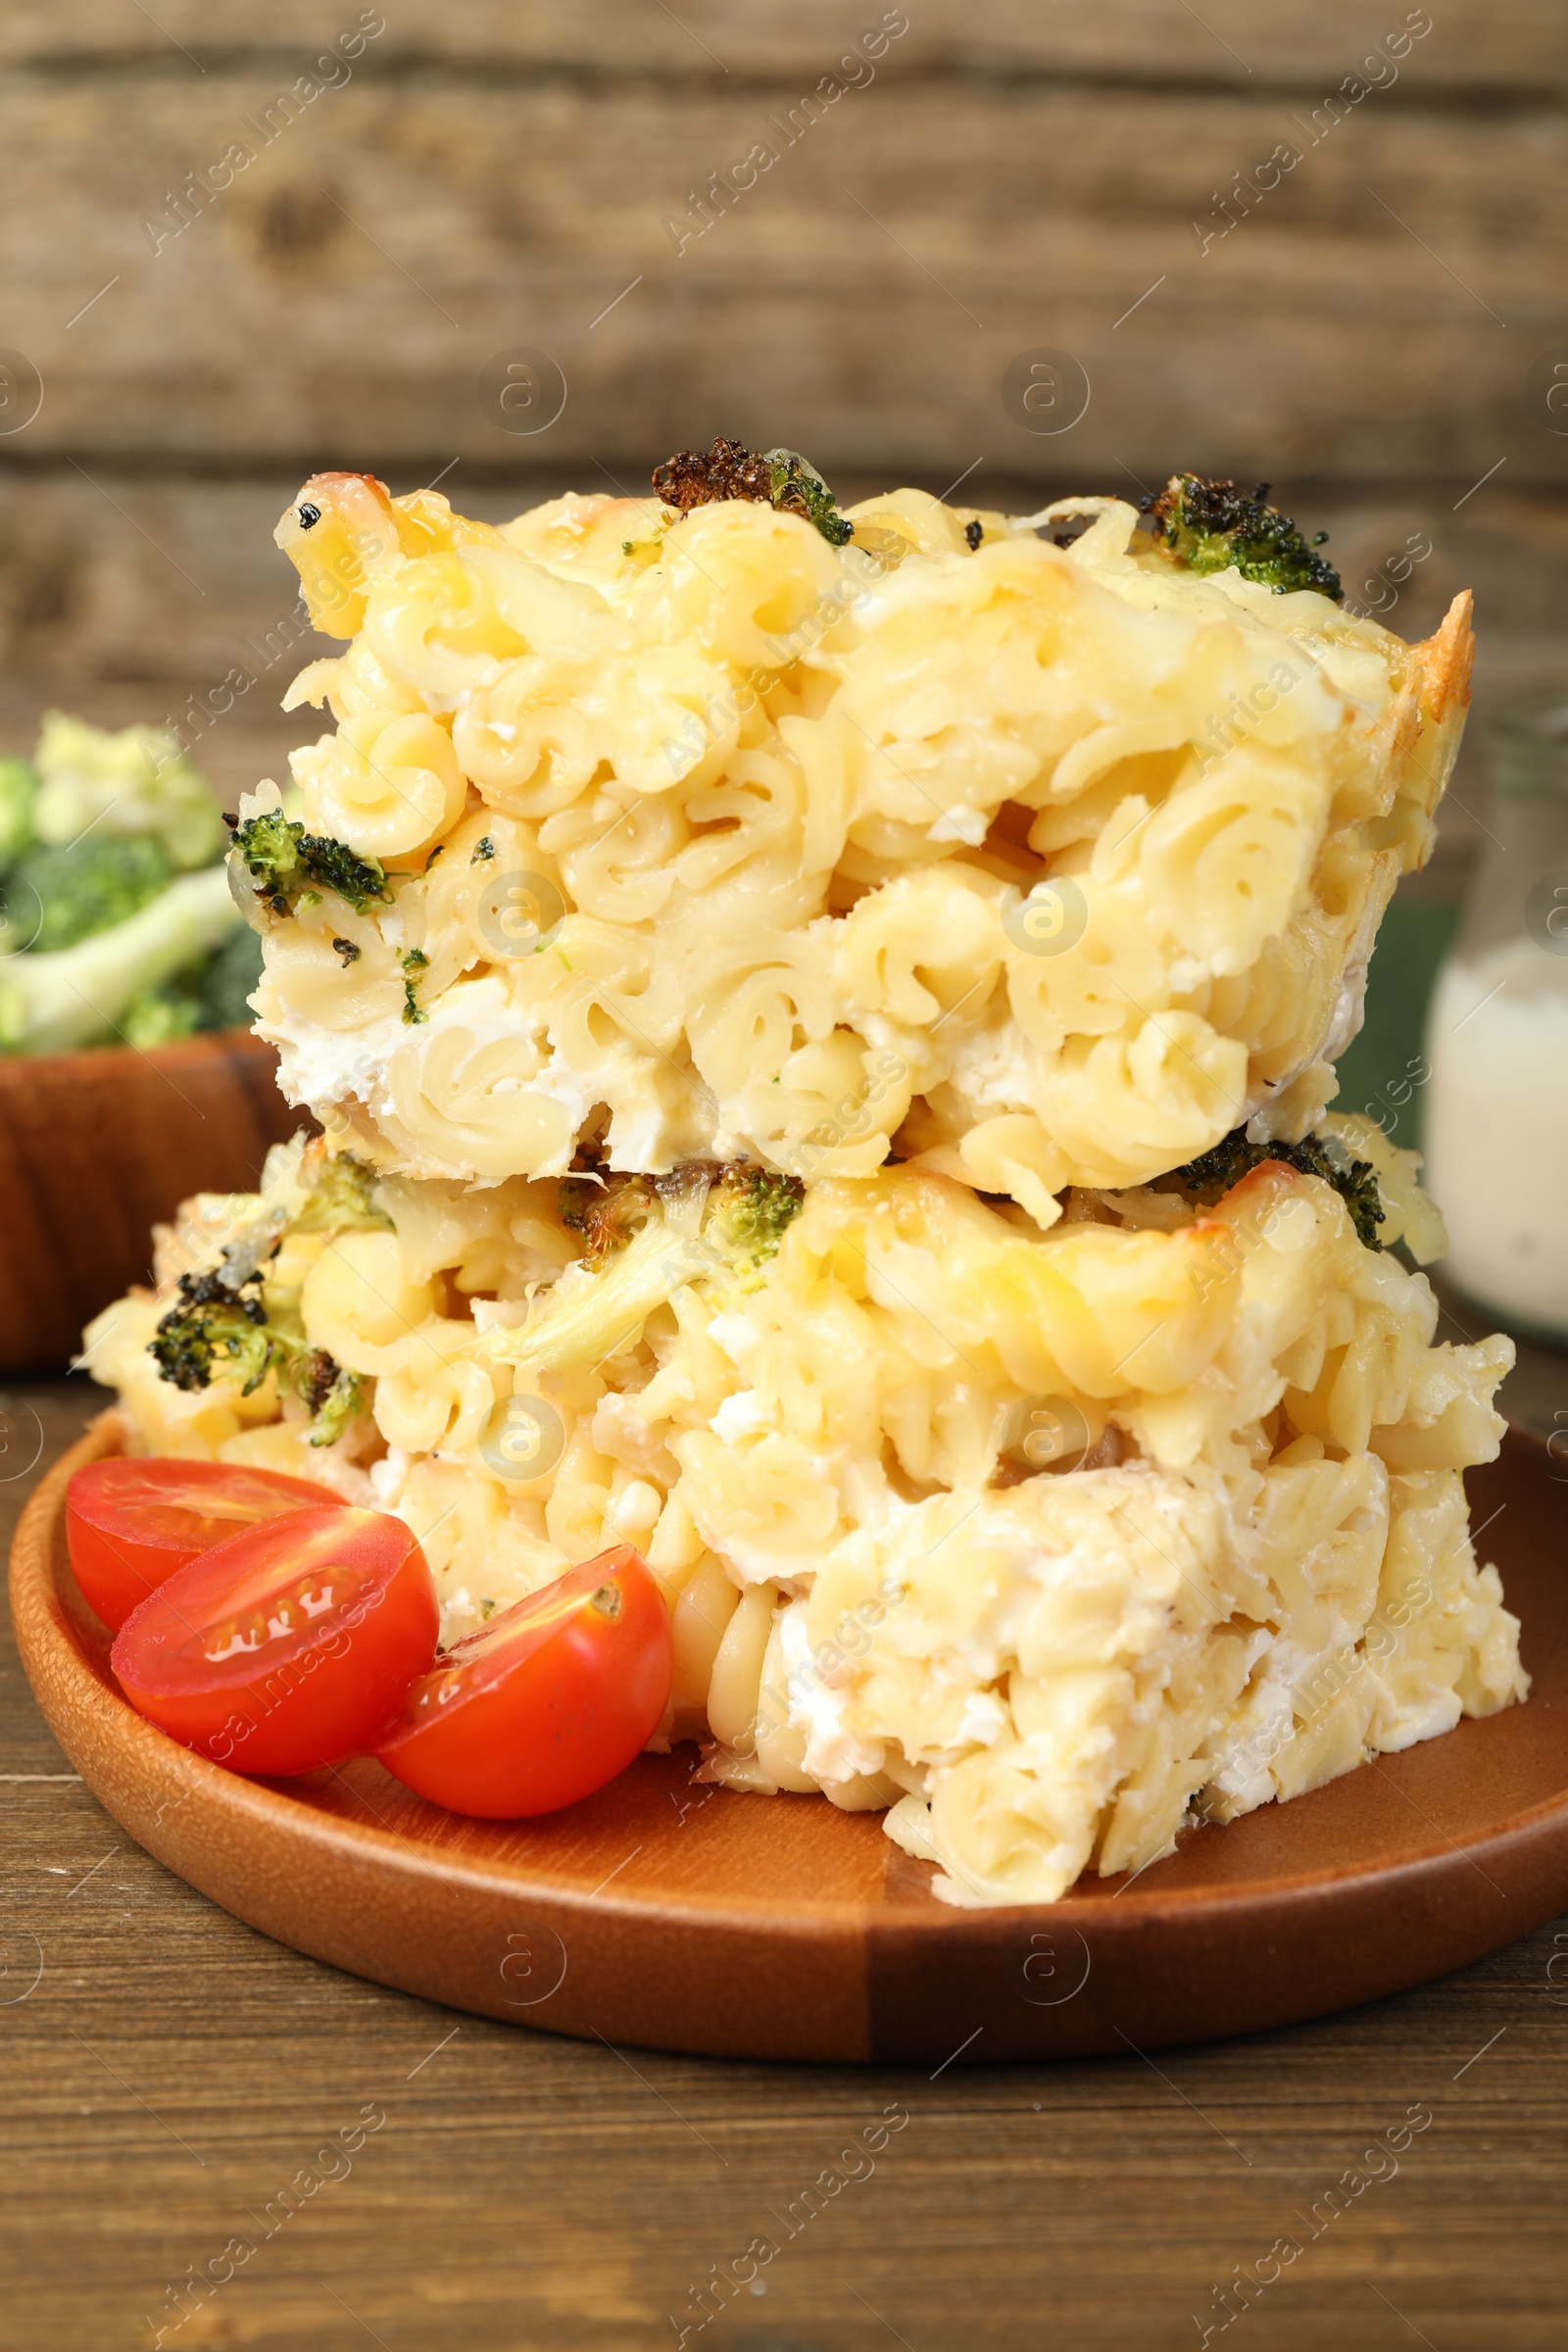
95,1147
666,1913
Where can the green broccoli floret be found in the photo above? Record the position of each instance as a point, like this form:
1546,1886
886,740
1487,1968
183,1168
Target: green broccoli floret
51,1003
57,896
1215,1172
799,489
1211,526
19,792
284,861
647,1238
414,963
779,479
113,907
161,1016
336,1397
746,1214
268,847
750,1210
221,1330
606,1210
215,1328
225,980
358,882
210,994
342,1200
139,781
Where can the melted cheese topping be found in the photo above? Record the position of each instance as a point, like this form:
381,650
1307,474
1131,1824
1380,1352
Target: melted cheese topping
1054,865
1043,1542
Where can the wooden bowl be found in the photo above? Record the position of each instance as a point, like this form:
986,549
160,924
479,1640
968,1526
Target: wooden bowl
689,1918
96,1147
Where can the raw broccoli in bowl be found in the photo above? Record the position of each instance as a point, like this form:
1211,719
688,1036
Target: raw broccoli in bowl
118,923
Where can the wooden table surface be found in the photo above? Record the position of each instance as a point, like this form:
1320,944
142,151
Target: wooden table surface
169,2075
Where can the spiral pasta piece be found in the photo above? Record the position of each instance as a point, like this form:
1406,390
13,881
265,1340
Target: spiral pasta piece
389,787
472,1098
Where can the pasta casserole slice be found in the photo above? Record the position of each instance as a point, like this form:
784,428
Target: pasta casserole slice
1044,851
1044,1544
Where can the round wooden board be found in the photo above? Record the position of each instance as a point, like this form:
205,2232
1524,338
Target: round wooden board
670,1914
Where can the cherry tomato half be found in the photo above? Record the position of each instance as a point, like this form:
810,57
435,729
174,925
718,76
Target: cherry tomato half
131,1523
289,1645
545,1703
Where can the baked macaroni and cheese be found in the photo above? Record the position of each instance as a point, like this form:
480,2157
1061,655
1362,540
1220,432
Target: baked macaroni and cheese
823,1024
1039,851
1043,1544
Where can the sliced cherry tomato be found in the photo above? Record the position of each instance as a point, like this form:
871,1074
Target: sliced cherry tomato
289,1645
131,1523
545,1703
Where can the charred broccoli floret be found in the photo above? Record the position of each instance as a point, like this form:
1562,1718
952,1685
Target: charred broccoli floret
317,1376
284,861
646,1237
1210,525
606,1210
1215,1172
214,1327
695,477
220,1330
751,1210
778,477
747,1210
334,1395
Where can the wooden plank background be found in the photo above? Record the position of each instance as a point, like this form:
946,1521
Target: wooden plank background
1375,333
987,192
1018,174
